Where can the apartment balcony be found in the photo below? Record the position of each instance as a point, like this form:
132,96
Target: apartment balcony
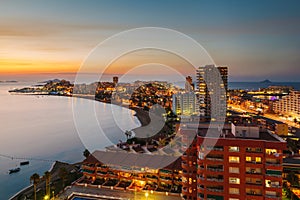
215,179
201,187
272,197
275,164
215,148
214,189
215,159
254,194
215,169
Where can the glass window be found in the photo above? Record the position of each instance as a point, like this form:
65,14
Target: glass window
234,180
234,191
234,159
234,149
248,159
258,159
235,170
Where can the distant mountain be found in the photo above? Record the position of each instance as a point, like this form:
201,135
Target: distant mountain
266,81
8,81
53,81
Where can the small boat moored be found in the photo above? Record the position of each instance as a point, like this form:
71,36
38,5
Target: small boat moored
15,170
24,163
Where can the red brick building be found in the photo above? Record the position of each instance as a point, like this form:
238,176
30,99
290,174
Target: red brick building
239,163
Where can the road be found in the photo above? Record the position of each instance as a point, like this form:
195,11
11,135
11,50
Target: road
269,116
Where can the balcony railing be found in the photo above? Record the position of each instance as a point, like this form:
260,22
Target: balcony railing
215,169
215,179
214,190
216,159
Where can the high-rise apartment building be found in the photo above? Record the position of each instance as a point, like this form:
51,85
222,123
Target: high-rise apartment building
212,84
289,105
242,163
185,104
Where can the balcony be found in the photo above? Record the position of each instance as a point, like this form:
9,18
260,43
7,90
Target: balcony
215,169
216,148
215,179
215,159
215,189
273,197
254,183
253,194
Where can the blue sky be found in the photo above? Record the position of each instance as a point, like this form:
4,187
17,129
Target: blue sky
255,39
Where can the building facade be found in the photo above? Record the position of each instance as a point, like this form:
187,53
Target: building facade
212,84
185,104
232,167
289,105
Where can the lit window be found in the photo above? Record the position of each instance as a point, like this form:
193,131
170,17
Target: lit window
248,159
258,159
234,149
234,191
234,159
233,180
271,151
234,170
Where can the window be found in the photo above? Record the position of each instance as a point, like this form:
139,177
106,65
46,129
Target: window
258,159
234,180
271,151
234,149
248,159
234,170
234,159
234,191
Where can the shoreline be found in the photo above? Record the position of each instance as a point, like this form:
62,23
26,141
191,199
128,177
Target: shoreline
140,114
54,170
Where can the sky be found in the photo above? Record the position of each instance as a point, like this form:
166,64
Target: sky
257,39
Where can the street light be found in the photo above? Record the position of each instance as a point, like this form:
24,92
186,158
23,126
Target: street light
146,195
46,197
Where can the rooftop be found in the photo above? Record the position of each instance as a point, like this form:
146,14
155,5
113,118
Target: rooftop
134,160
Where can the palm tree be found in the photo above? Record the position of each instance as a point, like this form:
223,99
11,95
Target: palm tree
86,153
63,175
35,179
47,176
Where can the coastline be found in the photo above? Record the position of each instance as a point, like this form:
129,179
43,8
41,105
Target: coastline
140,114
54,170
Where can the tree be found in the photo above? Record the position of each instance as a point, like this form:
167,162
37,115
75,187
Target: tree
63,175
47,176
35,179
86,153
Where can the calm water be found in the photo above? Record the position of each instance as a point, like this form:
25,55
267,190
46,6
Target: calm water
43,128
257,85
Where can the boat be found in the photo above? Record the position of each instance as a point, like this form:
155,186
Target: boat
15,170
24,163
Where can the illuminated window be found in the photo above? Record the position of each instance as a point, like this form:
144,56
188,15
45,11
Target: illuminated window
234,191
248,159
234,159
258,159
234,180
234,170
271,151
234,149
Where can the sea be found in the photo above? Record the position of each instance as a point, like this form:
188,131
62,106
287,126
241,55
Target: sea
43,129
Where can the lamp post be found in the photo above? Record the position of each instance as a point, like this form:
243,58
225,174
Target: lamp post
146,195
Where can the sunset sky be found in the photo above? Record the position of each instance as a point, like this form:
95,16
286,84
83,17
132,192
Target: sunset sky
255,39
